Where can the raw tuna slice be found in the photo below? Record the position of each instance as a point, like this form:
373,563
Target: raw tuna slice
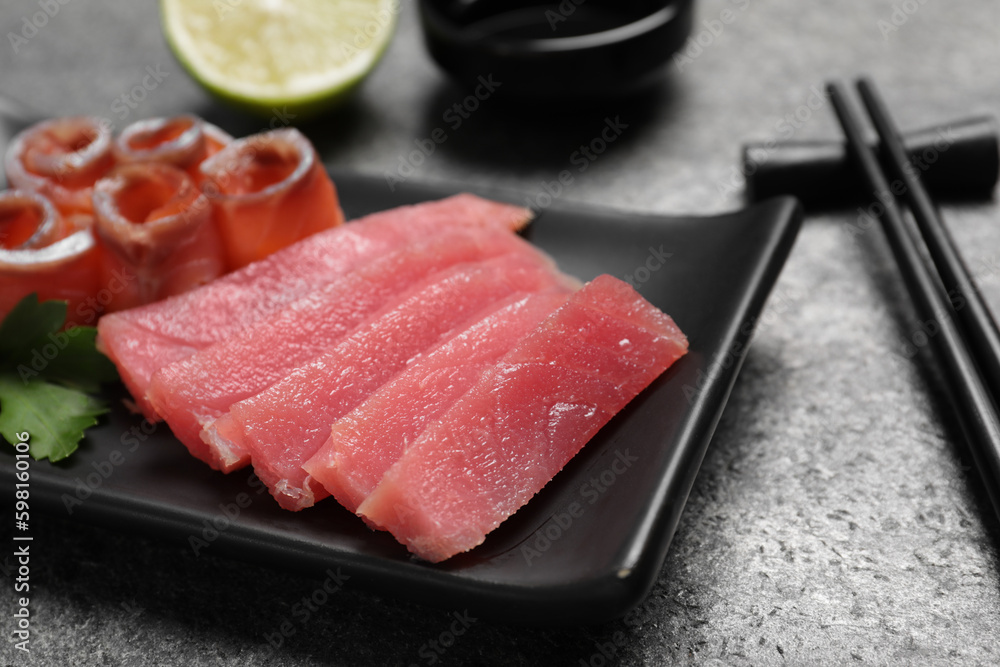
142,340
365,442
517,427
285,425
191,394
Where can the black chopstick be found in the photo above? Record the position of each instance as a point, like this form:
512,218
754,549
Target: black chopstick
972,404
974,318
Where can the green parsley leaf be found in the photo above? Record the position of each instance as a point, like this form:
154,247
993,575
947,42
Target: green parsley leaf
27,323
45,376
55,416
70,357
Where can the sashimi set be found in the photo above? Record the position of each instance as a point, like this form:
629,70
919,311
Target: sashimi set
424,365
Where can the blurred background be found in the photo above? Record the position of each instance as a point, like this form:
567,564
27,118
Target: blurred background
835,520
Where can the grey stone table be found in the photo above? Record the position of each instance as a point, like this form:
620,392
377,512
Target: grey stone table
836,519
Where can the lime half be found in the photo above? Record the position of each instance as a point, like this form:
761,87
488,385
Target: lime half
303,55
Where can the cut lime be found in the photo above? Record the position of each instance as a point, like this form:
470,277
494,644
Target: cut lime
303,55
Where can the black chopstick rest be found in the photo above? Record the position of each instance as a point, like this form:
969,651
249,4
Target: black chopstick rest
957,160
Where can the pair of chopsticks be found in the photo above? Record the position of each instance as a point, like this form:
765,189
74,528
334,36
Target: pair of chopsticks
967,343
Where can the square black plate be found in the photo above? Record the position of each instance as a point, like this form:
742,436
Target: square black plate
584,550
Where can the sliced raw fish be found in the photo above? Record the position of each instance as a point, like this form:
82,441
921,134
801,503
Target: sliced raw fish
181,141
62,159
269,190
156,227
142,340
285,425
369,439
40,253
193,393
517,427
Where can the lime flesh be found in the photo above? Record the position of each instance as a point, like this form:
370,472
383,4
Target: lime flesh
303,56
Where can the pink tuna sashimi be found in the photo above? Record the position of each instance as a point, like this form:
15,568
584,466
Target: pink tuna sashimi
518,426
193,393
285,425
369,439
142,340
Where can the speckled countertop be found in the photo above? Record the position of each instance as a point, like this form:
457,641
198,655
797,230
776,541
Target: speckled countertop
835,520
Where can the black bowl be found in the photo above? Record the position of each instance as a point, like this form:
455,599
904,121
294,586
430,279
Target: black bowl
576,48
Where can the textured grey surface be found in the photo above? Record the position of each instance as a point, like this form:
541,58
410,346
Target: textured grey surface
835,519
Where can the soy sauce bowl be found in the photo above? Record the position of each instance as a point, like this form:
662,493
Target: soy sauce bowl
572,49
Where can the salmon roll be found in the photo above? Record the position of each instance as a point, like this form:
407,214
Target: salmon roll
156,229
182,141
62,159
40,252
268,191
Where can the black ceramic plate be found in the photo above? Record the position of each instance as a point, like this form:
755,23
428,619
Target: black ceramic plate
585,549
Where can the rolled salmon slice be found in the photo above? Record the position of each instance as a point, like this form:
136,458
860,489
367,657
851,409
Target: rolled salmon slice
156,227
61,159
502,441
269,190
195,392
181,141
285,425
40,253
142,340
364,443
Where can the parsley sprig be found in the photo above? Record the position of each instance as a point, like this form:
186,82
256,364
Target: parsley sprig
49,377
